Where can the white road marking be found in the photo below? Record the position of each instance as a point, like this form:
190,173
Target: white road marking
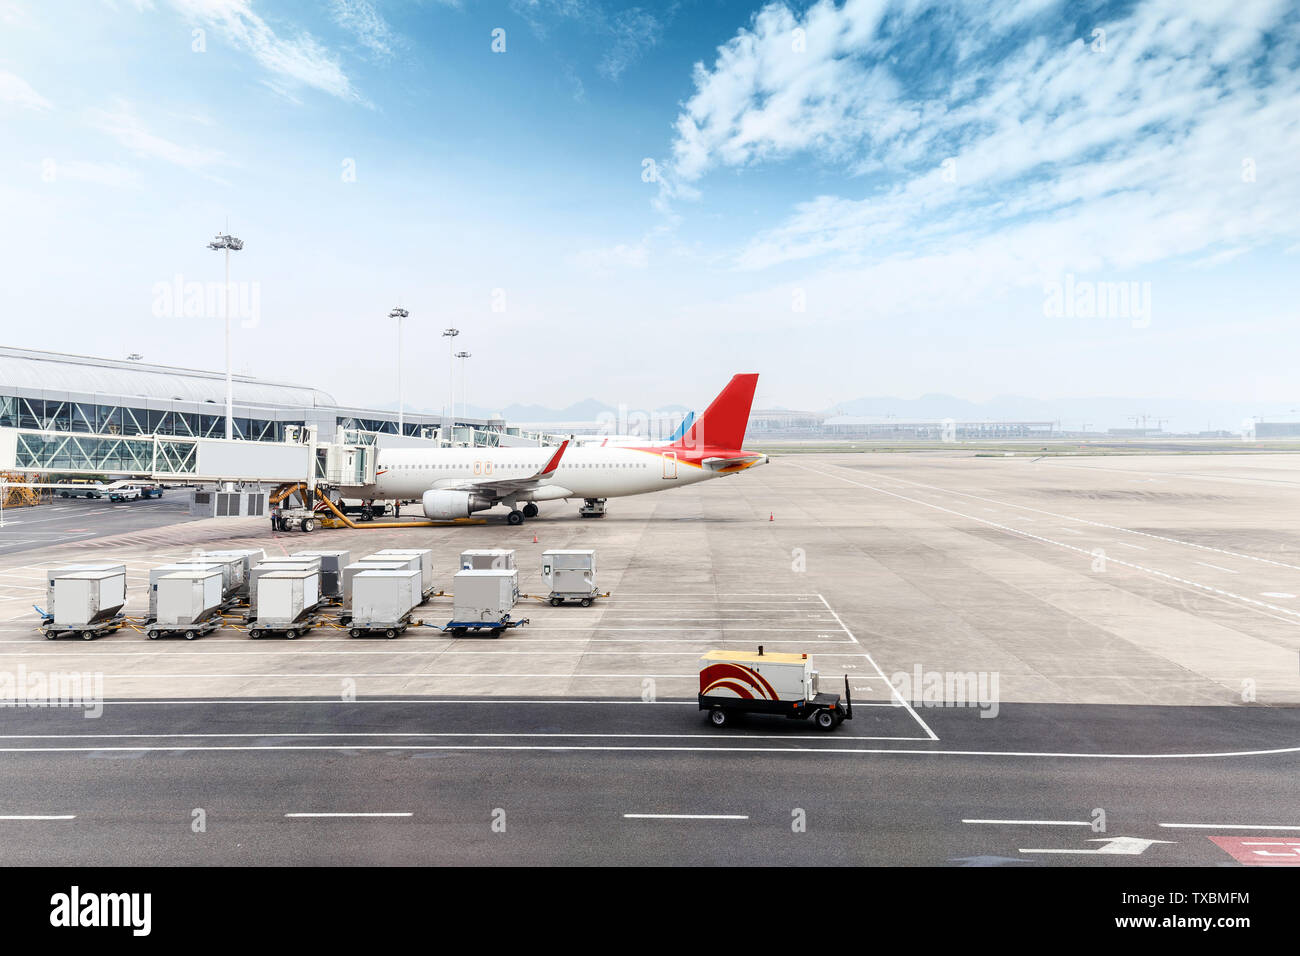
345,814
892,689
1276,594
685,816
61,816
1227,826
1217,567
1035,823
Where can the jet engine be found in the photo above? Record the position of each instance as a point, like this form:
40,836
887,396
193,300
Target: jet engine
444,505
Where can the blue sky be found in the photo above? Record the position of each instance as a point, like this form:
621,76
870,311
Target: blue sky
850,198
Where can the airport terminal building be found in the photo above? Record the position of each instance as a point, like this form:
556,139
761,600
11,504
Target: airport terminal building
74,411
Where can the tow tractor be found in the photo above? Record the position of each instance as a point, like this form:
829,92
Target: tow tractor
733,683
294,519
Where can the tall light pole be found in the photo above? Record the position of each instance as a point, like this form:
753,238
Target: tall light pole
464,385
399,313
229,244
449,424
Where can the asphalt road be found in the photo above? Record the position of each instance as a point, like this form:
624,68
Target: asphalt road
559,779
81,519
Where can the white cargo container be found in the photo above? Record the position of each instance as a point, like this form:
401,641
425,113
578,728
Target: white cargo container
484,595
284,602
243,559
332,563
391,563
426,562
278,563
223,569
72,569
383,600
88,597
570,576
487,559
188,598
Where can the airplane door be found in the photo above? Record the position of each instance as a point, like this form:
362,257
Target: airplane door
670,464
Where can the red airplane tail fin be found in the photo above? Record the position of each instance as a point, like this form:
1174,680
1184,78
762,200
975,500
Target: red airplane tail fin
723,423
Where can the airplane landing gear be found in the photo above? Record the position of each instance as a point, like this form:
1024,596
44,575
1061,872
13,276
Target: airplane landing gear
515,517
530,510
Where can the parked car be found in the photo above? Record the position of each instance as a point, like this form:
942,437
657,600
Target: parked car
94,491
151,491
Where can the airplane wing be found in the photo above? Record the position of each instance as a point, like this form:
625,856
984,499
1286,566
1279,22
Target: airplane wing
500,487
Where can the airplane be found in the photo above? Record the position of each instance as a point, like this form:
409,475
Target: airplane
457,482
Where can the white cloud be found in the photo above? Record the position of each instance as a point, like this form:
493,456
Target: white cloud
15,91
1062,157
300,61
122,124
364,21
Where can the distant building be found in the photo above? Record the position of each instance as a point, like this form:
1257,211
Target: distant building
1277,429
784,421
932,429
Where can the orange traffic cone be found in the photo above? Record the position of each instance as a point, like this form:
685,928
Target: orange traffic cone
771,516
534,539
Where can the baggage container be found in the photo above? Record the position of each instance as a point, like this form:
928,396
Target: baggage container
53,573
392,563
787,685
285,598
244,558
83,598
332,563
223,568
426,563
487,559
279,563
383,600
187,598
570,576
484,595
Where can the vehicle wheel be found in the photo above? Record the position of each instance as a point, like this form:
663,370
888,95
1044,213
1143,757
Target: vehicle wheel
460,631
355,632
255,634
88,636
556,602
190,635
309,525
153,635
825,720
291,635
50,635
718,717
515,517
586,602
530,510
390,633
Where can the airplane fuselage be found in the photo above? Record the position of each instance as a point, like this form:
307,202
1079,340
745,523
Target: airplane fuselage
611,472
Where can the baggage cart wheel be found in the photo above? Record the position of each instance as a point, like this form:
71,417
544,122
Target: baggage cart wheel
255,634
390,633
556,602
718,717
586,602
291,634
190,635
460,631
153,635
825,720
355,632
50,635
88,636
